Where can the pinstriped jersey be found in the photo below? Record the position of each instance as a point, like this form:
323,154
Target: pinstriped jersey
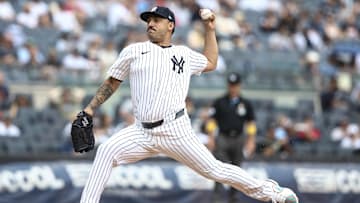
159,77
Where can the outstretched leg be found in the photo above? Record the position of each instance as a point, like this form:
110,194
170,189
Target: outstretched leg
121,148
188,149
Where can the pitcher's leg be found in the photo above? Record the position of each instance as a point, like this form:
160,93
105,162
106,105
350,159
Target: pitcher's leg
196,156
221,153
121,148
188,149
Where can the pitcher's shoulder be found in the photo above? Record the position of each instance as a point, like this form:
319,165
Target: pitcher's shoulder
182,48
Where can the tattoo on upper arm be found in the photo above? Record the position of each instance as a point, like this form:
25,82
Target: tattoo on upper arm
102,94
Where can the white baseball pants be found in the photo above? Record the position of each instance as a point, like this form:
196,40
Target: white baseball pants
177,140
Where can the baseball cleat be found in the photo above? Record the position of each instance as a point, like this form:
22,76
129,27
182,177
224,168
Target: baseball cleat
283,195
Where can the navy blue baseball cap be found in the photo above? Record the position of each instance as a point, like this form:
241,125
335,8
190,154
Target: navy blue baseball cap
234,78
159,11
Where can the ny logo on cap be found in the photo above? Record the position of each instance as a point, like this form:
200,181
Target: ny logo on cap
154,9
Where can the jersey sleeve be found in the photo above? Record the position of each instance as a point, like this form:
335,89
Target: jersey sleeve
197,62
250,115
121,67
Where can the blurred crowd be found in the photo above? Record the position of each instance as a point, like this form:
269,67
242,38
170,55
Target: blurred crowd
77,40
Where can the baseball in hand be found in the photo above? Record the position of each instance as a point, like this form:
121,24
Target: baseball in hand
206,14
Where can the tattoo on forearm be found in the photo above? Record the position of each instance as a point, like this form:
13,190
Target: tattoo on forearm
102,94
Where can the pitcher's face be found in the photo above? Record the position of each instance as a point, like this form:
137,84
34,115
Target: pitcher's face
158,29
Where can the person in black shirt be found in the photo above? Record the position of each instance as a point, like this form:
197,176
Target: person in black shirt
235,119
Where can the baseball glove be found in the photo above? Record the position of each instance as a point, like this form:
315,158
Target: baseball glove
82,135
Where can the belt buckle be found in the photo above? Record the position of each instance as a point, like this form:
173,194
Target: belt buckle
179,113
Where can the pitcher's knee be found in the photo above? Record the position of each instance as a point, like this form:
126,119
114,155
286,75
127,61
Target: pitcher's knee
101,149
215,172
104,150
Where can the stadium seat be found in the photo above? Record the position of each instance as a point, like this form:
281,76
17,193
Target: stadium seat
16,146
305,108
96,24
44,146
44,38
4,24
26,117
344,154
304,148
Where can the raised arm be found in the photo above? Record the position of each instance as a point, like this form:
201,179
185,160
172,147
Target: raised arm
210,45
106,89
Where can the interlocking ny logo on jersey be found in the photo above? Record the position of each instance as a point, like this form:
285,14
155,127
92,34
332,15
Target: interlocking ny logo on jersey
180,64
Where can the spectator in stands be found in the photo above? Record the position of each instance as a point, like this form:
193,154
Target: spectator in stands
195,35
107,55
65,43
65,19
351,140
278,137
51,67
38,8
93,48
207,128
7,127
26,18
30,56
331,28
346,134
327,67
306,131
190,107
7,50
66,101
246,39
102,128
193,7
349,28
122,13
75,7
308,38
340,130
183,14
289,16
16,34
227,25
125,115
311,65
75,61
311,62
21,101
4,93
7,12
270,22
332,98
45,21
91,9
211,4
53,59
281,40
355,97
132,36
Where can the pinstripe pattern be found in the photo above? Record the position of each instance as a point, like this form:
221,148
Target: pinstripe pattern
158,91
177,140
